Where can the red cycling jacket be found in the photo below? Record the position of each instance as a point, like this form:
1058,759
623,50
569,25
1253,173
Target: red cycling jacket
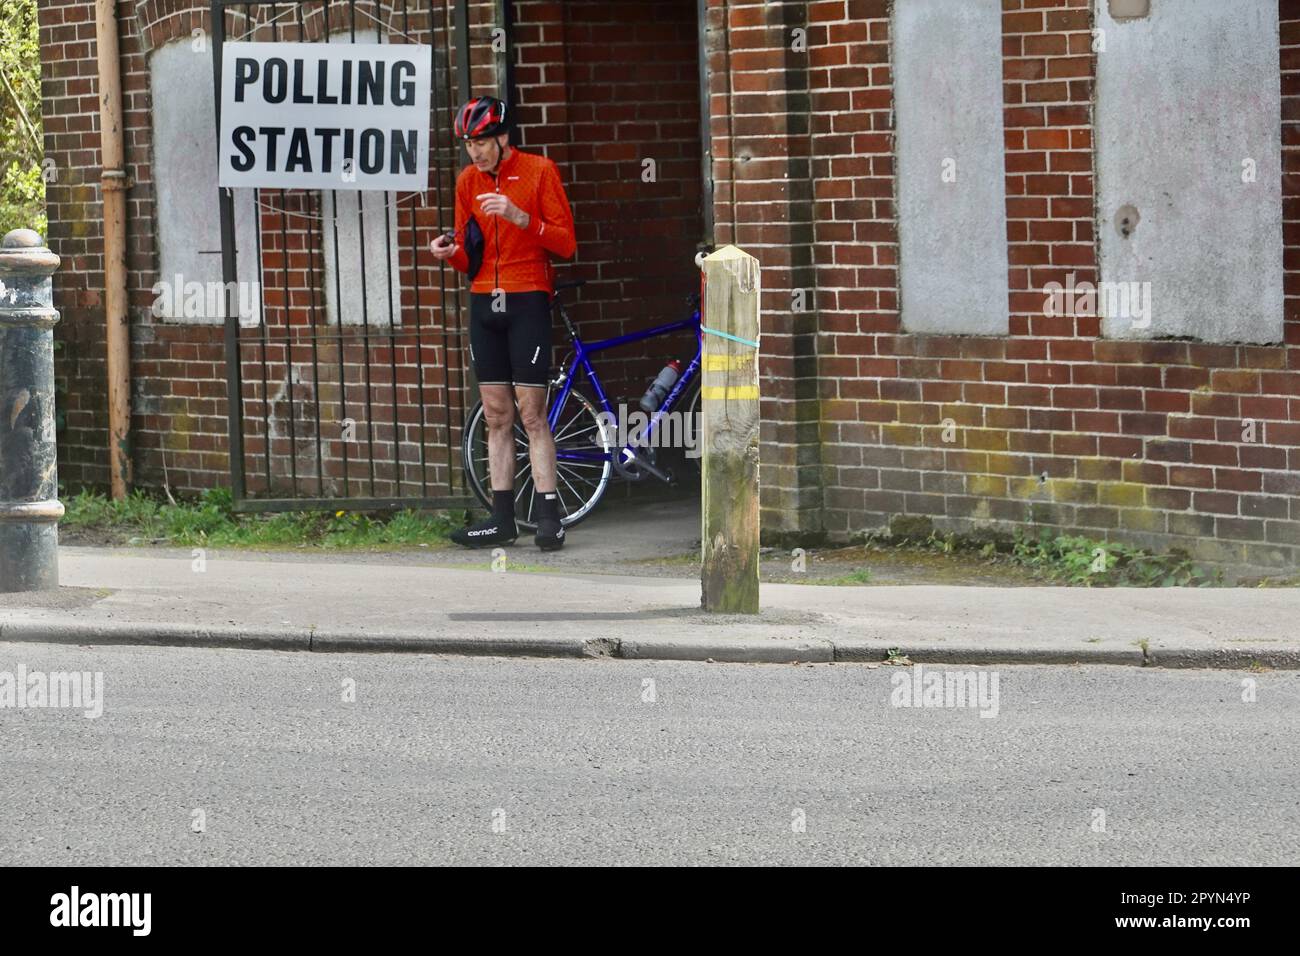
514,259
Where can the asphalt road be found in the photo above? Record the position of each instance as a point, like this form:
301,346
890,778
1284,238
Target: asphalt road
497,761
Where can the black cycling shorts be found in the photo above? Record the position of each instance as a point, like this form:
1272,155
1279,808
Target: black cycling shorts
511,346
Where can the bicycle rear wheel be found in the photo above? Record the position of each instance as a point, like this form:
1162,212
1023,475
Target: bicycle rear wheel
584,449
678,439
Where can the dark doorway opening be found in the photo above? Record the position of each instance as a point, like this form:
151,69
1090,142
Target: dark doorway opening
612,93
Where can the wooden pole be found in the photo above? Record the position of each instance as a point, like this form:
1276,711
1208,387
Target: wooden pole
729,403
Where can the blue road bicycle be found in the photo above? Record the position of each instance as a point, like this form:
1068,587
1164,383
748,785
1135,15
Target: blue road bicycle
587,449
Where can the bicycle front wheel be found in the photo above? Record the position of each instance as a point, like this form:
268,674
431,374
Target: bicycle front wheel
584,451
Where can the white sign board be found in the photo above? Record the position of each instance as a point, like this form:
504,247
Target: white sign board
325,116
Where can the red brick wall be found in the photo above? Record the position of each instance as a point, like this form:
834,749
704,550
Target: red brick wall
857,274
1053,426
636,240
71,107
179,418
771,200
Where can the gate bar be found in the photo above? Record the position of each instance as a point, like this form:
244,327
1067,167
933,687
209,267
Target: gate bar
226,202
292,339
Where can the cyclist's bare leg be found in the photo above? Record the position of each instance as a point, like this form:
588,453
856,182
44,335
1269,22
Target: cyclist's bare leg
499,411
541,444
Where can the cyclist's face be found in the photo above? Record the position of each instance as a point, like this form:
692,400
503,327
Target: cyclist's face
485,152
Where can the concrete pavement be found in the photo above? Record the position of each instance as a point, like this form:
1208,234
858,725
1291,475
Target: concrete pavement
372,603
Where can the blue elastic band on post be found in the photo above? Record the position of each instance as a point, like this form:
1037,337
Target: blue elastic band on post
728,335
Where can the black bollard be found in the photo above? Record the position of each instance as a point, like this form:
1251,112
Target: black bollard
29,506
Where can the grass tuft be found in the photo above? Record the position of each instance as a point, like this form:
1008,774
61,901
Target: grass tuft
211,521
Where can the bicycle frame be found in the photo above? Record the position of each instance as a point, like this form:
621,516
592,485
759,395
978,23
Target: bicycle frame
581,358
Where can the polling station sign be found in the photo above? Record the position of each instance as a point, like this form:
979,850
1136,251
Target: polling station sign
325,116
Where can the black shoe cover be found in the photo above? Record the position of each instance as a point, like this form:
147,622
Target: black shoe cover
550,534
487,533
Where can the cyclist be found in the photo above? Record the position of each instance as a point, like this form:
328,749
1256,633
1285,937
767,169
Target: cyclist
512,216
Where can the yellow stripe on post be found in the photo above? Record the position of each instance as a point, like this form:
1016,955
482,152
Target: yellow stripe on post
727,363
739,392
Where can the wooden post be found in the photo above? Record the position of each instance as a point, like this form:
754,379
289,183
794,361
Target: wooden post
729,405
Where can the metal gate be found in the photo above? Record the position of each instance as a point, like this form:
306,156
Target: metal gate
346,379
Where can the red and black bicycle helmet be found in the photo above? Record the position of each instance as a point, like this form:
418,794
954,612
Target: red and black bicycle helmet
479,117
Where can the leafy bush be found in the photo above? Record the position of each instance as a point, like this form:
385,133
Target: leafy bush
1070,559
22,185
1084,561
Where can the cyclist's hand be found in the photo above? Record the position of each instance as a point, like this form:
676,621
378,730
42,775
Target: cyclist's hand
443,248
499,204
